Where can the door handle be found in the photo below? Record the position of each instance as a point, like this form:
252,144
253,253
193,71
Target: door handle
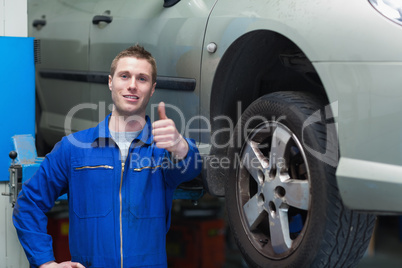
38,23
102,18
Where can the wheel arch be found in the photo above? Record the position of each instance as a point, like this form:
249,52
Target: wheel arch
255,64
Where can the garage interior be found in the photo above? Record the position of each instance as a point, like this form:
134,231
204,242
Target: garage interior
199,236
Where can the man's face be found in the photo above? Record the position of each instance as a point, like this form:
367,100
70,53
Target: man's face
131,87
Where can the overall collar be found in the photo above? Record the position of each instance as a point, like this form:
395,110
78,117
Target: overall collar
102,131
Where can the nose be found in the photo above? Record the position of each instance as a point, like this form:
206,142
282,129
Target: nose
133,84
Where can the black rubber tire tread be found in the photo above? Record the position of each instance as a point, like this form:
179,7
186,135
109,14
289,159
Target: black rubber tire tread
340,236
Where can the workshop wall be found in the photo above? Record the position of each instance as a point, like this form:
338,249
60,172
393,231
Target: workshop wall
13,18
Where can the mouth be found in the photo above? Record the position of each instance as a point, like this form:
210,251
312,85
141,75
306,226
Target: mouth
131,97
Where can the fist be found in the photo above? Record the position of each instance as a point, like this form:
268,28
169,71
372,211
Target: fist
166,135
66,264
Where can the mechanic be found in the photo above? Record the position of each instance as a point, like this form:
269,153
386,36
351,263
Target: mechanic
120,177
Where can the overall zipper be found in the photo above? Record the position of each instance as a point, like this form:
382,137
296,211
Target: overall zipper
120,216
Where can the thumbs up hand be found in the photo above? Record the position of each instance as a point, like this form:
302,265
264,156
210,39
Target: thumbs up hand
166,135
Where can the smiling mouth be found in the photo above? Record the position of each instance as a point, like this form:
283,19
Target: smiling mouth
131,97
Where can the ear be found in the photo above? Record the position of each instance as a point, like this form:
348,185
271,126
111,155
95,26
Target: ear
110,82
153,89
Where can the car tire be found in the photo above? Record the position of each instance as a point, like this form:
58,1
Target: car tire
282,198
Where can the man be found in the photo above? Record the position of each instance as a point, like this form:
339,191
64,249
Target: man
119,176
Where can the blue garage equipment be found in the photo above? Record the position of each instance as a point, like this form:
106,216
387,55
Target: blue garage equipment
17,72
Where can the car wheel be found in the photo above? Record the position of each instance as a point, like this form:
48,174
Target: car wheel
282,199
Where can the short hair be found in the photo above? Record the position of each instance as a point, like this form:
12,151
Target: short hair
138,52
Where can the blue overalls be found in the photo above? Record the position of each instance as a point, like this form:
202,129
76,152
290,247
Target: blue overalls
119,212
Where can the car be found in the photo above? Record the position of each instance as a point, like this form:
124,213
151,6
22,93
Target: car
295,107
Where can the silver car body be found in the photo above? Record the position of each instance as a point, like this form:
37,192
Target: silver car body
353,48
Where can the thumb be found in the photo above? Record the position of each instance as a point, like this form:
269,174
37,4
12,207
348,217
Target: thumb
162,111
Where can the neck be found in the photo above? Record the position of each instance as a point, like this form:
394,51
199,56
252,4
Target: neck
120,123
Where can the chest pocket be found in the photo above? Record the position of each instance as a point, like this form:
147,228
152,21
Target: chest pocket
146,190
91,186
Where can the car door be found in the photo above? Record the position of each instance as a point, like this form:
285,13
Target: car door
61,31
174,35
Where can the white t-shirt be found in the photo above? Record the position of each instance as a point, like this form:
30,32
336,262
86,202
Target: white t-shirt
124,140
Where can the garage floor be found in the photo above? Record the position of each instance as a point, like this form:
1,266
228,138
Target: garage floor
385,251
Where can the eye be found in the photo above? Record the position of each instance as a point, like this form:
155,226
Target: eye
142,79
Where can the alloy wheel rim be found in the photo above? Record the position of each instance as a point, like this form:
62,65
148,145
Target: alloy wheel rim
273,190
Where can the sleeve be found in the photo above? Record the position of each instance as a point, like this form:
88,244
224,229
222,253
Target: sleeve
37,197
183,170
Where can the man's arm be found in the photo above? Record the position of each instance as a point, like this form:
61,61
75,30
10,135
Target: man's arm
37,197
